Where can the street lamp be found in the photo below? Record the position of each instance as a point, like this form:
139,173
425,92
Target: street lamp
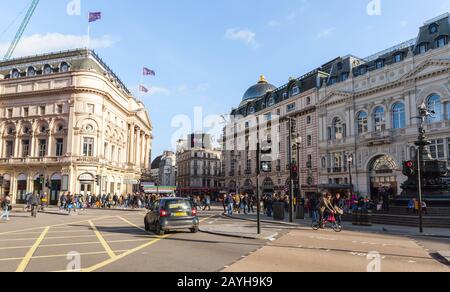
350,163
298,143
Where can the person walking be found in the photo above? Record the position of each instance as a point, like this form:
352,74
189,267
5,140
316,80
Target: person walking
229,202
207,203
34,203
6,208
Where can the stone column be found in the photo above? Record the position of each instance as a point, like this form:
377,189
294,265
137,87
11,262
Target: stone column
16,146
147,152
131,145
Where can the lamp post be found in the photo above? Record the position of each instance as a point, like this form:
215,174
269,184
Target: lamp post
298,143
350,163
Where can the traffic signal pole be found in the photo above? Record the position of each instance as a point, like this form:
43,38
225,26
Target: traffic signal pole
258,198
419,182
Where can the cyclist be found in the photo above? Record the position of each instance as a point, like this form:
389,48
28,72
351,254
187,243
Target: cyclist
34,203
325,208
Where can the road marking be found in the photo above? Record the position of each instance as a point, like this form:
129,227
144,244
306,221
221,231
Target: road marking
57,225
130,252
102,240
26,260
59,256
132,224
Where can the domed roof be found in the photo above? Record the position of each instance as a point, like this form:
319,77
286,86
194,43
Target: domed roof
156,162
258,90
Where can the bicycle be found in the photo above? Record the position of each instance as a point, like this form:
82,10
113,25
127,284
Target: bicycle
331,219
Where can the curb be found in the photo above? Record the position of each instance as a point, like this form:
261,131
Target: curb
230,235
350,229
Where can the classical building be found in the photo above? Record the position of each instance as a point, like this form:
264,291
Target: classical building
367,109
164,169
199,166
68,123
266,112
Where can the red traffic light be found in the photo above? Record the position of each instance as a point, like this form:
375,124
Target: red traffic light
409,164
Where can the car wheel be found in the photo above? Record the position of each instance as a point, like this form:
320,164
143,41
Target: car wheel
195,230
159,230
147,228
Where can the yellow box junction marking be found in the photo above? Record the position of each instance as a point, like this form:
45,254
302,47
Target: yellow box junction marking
26,260
102,240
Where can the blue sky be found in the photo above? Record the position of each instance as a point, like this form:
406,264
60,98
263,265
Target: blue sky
207,53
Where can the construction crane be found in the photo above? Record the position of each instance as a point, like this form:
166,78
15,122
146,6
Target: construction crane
21,30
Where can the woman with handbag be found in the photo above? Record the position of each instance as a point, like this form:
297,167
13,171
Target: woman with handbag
6,207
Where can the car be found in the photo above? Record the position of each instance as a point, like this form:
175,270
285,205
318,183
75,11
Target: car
170,214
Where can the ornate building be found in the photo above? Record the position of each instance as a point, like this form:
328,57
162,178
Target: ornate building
265,112
68,123
199,166
367,111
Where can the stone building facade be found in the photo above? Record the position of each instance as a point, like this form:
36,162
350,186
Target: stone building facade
67,123
367,109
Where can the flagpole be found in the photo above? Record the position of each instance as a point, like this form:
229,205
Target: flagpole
89,35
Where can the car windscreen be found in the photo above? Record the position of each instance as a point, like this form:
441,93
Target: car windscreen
172,205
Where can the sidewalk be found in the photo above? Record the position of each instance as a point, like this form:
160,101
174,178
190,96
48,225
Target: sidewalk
376,228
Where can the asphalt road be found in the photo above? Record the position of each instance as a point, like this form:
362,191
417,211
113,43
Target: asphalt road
112,240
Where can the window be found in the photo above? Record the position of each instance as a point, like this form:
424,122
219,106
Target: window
90,108
64,67
437,149
324,162
42,147
308,120
379,118
285,95
271,102
252,110
59,147
398,116
339,66
295,90
333,80
309,141
9,113
309,162
59,109
398,58
88,147
25,148
344,76
422,49
119,155
47,70
42,110
26,111
362,123
379,64
113,151
434,104
268,117
9,149
441,42
433,28
15,73
362,70
290,107
308,100
31,72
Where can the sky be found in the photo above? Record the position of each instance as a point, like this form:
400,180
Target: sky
207,53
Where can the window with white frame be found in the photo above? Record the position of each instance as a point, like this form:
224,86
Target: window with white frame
437,149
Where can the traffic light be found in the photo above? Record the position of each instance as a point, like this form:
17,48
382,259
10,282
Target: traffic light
409,168
41,179
266,156
294,172
98,180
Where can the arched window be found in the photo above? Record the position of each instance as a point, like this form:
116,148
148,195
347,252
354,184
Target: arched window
362,123
271,101
398,116
379,119
434,104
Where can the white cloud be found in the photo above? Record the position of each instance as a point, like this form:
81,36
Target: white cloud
325,33
51,42
246,36
155,90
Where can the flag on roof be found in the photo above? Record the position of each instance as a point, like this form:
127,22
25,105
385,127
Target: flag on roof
94,16
143,89
148,72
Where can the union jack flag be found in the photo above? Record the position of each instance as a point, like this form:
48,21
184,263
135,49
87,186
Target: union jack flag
94,16
143,89
148,72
